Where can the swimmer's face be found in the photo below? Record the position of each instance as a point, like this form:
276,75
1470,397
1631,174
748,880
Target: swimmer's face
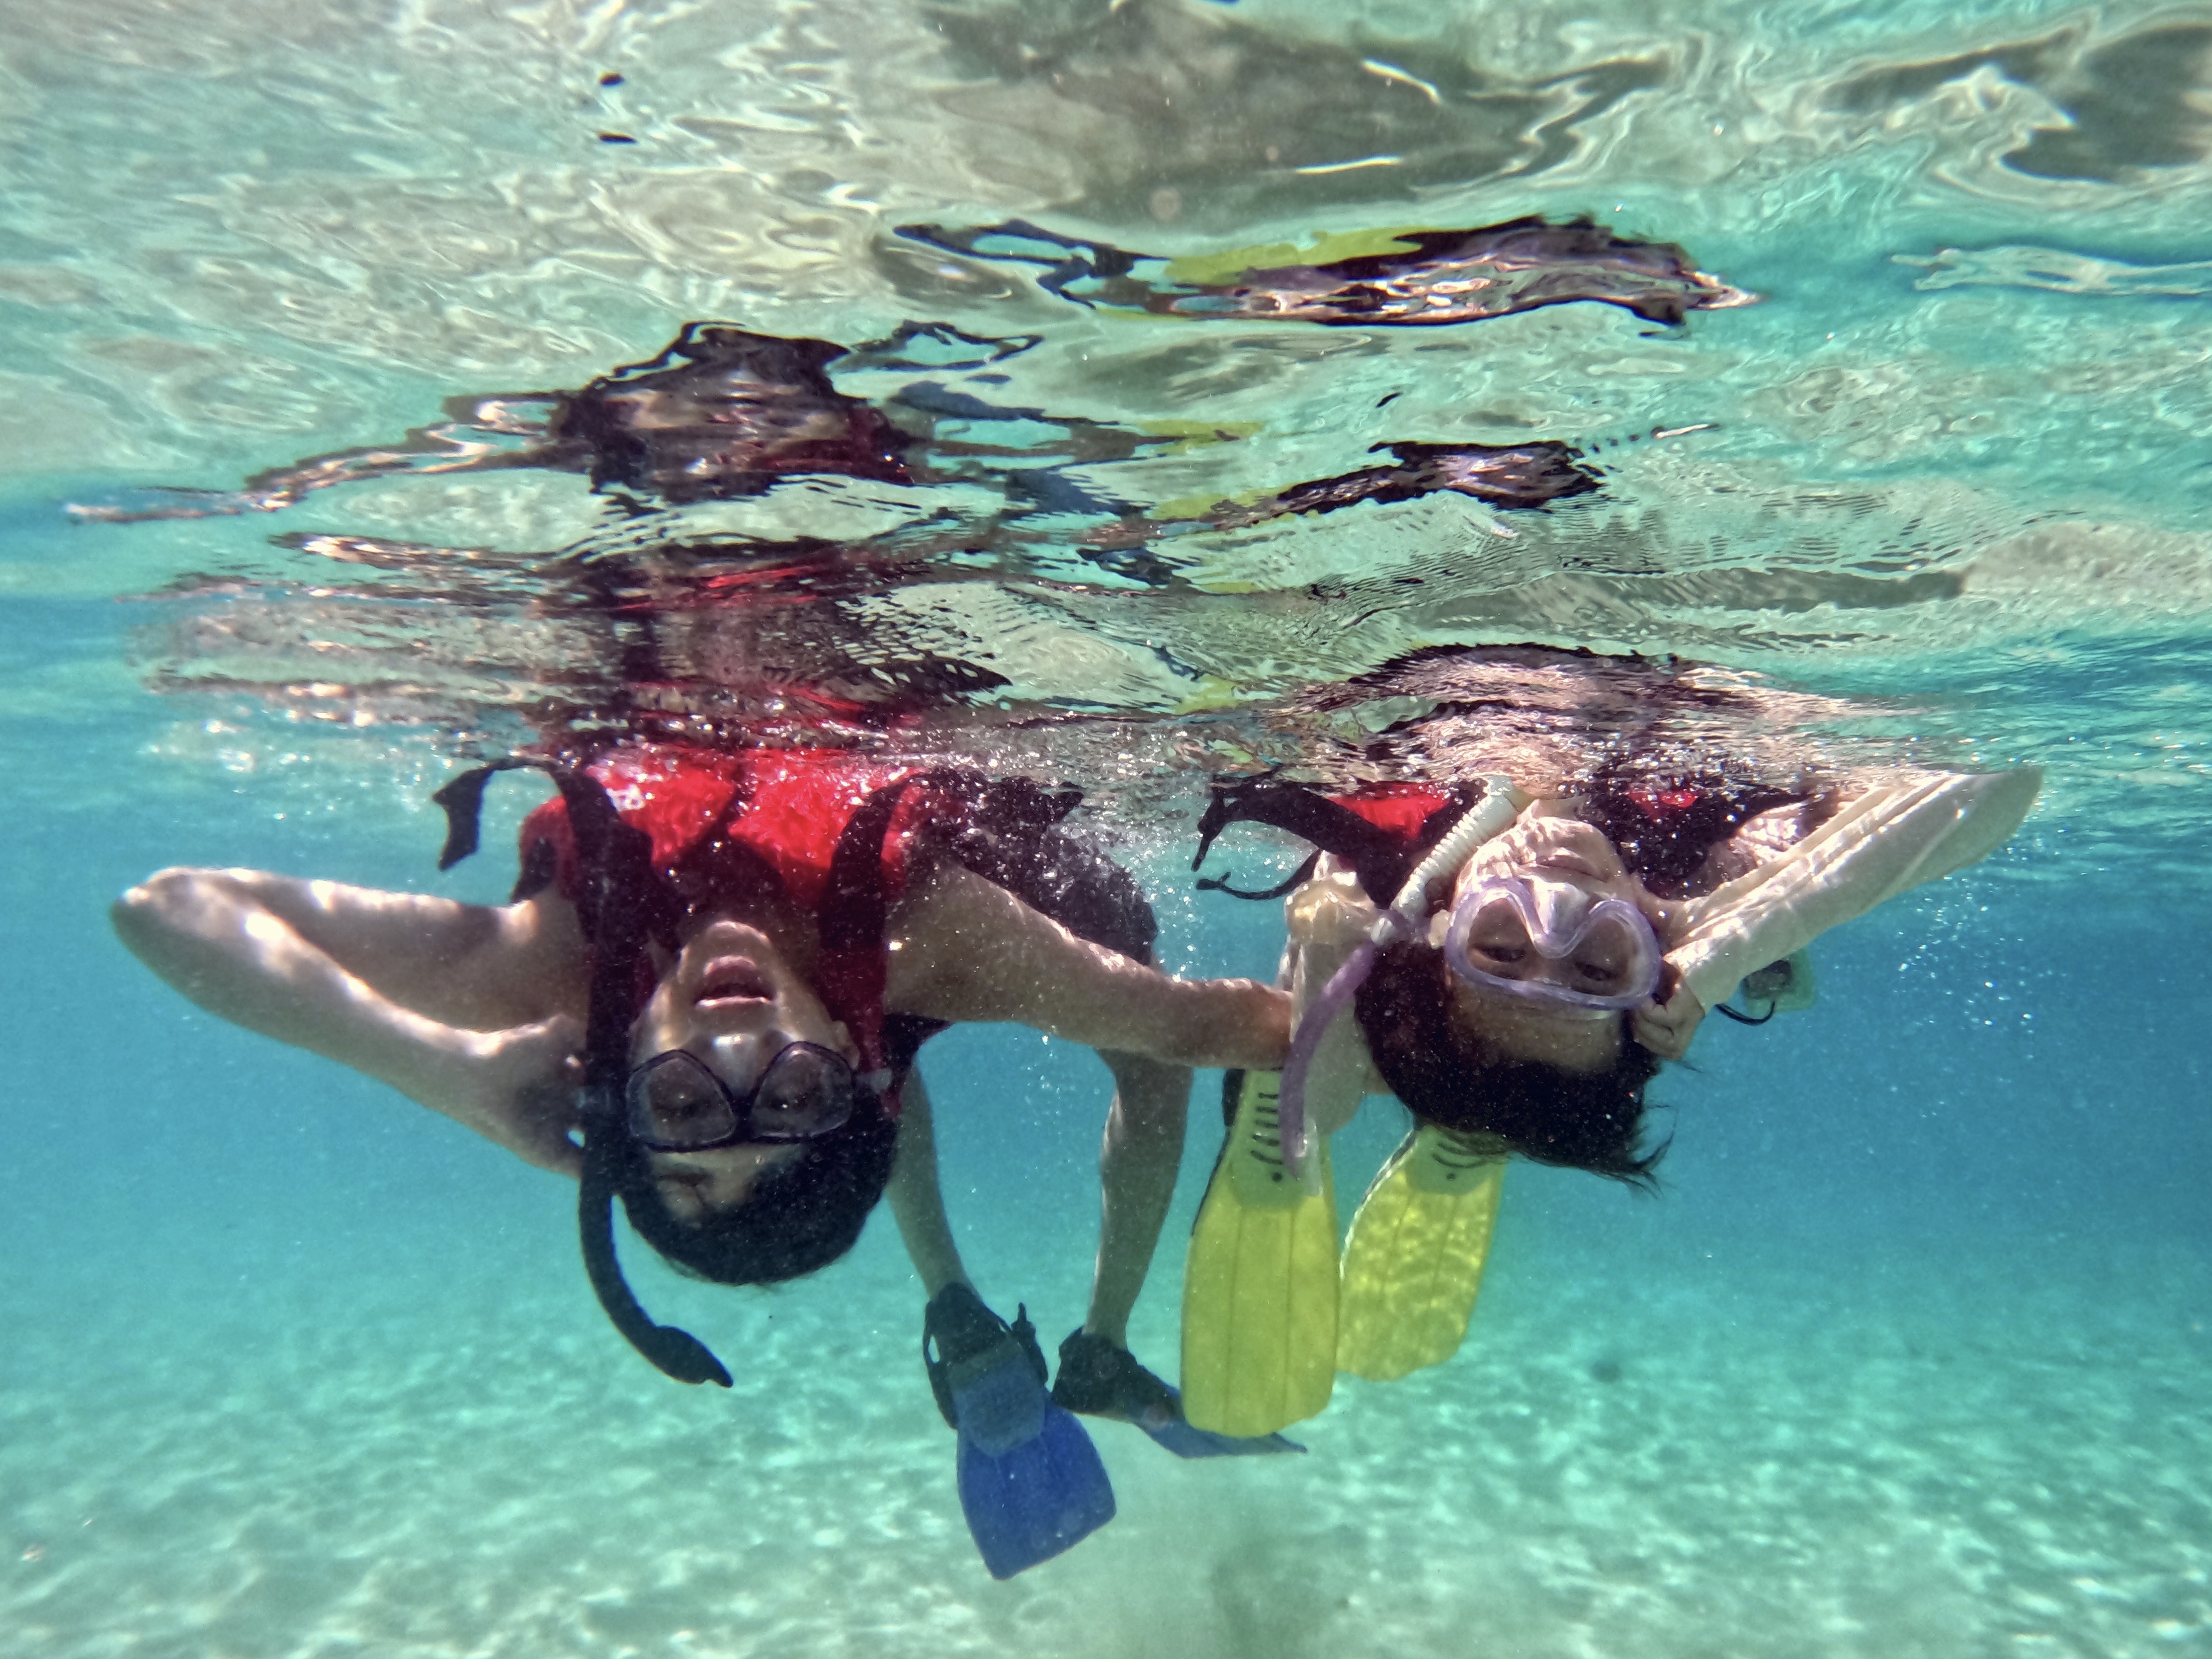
1572,853
731,999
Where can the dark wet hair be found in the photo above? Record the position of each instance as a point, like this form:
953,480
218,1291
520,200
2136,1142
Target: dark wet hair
796,1220
1590,1121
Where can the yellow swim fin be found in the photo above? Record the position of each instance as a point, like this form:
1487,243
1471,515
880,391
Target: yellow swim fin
1414,1260
1259,1292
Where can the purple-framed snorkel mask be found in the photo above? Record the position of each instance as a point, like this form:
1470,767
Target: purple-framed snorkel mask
1565,946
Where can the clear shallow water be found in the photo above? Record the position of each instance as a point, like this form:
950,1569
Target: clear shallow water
1909,1358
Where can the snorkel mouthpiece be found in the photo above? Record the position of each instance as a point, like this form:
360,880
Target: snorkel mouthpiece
622,903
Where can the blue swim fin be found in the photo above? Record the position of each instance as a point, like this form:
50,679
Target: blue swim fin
1045,1496
1031,1484
1105,1381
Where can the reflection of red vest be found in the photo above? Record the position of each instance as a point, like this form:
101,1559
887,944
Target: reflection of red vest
789,808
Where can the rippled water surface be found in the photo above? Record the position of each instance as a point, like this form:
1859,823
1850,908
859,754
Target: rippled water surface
1950,460
1108,406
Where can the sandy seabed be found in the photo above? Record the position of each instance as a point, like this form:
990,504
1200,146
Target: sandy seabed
1919,1459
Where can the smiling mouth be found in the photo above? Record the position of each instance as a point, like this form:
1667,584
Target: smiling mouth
729,980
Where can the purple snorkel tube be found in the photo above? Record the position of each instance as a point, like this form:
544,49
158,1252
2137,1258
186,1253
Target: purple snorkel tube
1494,813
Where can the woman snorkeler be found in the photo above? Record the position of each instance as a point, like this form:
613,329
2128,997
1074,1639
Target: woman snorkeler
706,997
1514,962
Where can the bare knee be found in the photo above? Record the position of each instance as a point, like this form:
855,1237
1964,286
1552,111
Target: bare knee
1147,1088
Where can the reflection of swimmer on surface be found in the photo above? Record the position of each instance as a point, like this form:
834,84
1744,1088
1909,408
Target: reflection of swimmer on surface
1513,478
722,414
1514,964
1385,277
706,998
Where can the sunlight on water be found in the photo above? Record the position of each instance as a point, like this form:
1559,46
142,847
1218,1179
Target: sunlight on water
1136,393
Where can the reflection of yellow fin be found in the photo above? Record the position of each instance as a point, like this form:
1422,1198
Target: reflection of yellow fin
1259,1292
1414,1260
1226,267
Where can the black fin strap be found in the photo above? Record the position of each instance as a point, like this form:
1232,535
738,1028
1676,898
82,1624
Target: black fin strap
1297,878
1747,1019
678,1353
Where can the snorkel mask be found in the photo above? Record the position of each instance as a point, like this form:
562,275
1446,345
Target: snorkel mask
1490,817
1551,941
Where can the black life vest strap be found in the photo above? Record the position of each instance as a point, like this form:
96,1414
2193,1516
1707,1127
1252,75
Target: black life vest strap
854,912
1747,1019
1381,859
855,909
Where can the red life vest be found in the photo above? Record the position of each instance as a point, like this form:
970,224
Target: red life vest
1402,808
794,809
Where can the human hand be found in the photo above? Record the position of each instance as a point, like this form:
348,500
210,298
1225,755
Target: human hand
1666,1028
1330,914
520,1089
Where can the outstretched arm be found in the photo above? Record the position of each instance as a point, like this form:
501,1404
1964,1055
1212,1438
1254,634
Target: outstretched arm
1878,844
962,948
470,1010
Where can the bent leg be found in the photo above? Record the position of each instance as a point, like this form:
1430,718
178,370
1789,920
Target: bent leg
1137,1164
917,1202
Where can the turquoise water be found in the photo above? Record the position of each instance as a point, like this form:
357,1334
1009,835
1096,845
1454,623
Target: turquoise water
1909,1356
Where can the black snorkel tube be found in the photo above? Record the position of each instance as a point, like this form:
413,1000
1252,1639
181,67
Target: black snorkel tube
623,905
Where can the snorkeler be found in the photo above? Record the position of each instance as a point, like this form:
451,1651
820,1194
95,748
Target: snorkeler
705,997
724,414
1513,965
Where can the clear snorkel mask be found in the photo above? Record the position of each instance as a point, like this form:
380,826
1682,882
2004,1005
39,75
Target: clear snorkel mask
1552,941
